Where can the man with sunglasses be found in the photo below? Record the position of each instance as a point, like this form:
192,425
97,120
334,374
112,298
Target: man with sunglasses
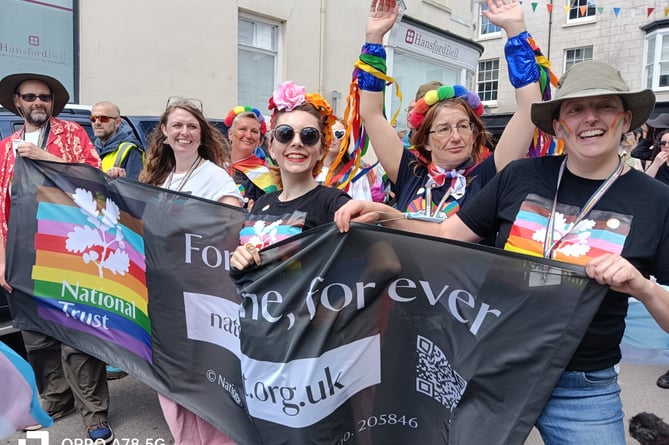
121,152
64,375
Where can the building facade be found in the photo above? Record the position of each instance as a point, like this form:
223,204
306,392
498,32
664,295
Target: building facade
629,35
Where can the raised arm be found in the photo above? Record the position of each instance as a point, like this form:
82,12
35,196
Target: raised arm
387,145
524,75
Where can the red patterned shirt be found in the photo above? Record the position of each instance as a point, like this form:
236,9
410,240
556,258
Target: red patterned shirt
67,140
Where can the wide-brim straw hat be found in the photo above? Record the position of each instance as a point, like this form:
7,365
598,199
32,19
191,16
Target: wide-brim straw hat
588,79
10,84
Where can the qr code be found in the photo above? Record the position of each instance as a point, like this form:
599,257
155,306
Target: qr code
435,377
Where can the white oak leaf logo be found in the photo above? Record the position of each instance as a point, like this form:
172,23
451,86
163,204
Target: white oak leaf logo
101,242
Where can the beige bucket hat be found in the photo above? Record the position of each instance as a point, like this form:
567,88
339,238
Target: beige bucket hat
592,78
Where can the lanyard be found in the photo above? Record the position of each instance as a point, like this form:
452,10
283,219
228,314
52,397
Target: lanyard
193,167
549,243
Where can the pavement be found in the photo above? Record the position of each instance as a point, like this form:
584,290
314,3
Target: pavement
136,418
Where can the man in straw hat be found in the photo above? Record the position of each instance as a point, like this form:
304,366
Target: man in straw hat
64,375
591,201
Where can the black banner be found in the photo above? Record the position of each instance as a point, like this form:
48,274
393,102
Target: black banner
369,337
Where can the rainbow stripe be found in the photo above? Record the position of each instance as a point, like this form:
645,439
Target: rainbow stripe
599,233
111,305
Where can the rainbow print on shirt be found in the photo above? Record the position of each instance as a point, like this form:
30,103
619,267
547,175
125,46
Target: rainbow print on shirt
90,269
598,233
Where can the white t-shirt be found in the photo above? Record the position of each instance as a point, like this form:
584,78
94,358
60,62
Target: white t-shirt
208,181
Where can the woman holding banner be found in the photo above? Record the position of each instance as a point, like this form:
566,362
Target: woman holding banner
186,154
301,133
582,209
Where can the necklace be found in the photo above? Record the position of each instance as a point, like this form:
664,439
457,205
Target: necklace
186,177
550,243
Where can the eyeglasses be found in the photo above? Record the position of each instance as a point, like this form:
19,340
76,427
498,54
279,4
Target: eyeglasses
177,101
103,119
663,143
33,97
446,132
309,135
339,134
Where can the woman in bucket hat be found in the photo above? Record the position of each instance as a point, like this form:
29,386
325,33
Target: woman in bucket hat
584,208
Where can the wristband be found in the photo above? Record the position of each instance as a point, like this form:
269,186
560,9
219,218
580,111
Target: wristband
372,54
374,49
521,60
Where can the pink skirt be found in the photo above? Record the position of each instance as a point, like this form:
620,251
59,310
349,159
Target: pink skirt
188,428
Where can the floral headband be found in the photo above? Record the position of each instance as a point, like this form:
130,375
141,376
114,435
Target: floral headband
289,95
239,109
444,92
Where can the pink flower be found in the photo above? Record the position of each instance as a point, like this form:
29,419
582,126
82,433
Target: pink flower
288,95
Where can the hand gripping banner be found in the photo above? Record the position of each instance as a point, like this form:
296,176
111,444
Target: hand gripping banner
370,337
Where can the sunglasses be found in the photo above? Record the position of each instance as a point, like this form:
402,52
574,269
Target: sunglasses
33,97
339,134
103,119
309,135
178,101
663,143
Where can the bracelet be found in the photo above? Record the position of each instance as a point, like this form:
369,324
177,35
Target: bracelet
521,60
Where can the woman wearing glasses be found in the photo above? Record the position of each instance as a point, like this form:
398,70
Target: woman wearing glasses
358,189
449,162
186,154
300,137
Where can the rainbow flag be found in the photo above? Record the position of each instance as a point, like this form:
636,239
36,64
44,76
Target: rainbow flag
90,271
20,402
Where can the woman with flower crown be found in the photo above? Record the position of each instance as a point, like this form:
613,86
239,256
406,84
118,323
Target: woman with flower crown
448,164
301,132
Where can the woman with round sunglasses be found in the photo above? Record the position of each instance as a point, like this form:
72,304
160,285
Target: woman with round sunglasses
301,134
359,188
448,163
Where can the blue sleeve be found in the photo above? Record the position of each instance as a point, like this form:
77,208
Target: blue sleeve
133,164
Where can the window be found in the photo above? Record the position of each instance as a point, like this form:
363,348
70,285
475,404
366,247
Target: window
656,65
576,55
579,9
486,27
488,80
257,61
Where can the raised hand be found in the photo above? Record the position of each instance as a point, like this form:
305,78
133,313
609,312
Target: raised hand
382,16
507,14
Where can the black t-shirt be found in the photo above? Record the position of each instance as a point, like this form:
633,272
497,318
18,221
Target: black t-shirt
410,186
271,220
631,219
663,174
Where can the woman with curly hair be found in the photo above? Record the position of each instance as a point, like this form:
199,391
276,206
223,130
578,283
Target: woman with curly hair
301,133
448,163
